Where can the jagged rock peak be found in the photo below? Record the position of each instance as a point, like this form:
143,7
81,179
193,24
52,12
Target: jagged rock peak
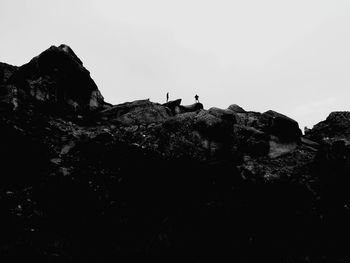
70,51
55,77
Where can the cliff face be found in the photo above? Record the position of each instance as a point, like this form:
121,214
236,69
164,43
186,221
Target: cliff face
85,180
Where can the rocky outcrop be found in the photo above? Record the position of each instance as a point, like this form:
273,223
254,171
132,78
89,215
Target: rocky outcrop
136,113
235,108
223,114
332,162
271,122
83,180
56,77
335,127
281,126
173,105
189,108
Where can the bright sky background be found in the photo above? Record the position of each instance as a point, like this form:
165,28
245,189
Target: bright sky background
290,56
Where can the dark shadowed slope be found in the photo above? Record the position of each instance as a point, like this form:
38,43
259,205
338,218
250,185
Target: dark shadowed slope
83,180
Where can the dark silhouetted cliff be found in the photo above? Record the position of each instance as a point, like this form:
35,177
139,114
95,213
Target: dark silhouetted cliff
86,181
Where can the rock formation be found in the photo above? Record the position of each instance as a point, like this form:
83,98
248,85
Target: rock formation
84,180
56,77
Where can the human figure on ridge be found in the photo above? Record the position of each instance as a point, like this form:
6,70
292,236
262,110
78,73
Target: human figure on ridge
196,98
167,96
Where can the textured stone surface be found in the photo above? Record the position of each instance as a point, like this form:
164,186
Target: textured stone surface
335,127
56,77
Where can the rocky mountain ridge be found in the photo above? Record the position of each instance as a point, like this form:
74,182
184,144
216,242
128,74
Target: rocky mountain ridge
86,180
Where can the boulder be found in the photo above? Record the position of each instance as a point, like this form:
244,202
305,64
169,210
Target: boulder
223,114
281,126
236,108
172,105
189,108
272,123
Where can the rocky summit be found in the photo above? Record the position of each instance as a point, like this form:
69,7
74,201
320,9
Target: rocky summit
83,180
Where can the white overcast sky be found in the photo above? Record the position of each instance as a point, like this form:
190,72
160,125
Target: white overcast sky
290,56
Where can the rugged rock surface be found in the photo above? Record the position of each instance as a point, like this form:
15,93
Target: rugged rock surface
83,180
335,127
173,105
236,108
56,77
136,113
6,71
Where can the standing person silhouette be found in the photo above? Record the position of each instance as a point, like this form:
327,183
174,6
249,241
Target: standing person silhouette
196,98
167,96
